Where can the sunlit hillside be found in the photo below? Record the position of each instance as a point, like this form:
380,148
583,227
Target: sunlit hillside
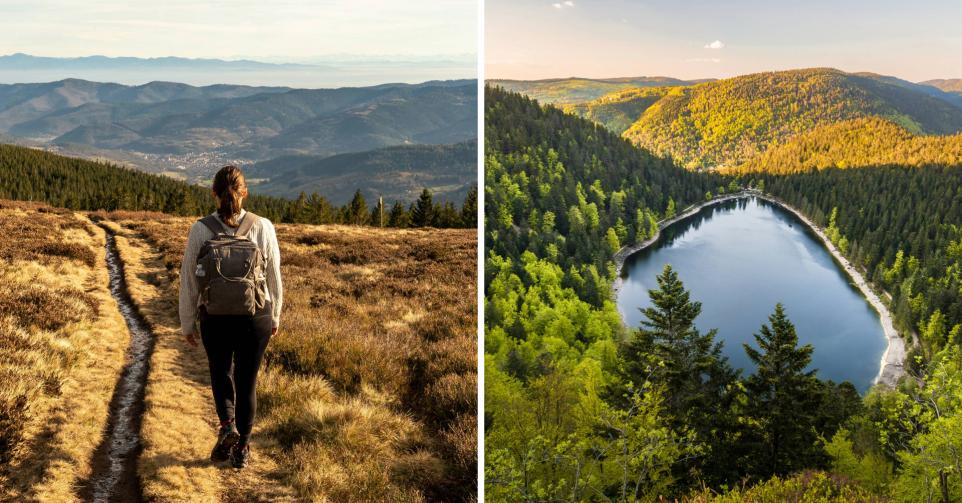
857,143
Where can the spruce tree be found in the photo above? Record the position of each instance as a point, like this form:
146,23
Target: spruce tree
671,350
782,399
422,214
357,210
469,210
399,216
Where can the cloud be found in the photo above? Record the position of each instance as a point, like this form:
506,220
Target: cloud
703,60
715,45
567,4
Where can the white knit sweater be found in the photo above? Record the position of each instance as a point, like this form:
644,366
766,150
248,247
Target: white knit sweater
262,234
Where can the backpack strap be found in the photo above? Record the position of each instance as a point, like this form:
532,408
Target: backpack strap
212,223
246,224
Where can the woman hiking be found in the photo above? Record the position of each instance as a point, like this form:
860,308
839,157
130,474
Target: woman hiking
230,283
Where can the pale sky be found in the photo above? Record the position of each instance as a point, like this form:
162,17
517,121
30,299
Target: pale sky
534,39
275,30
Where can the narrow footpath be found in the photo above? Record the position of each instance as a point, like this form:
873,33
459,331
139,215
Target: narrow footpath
114,477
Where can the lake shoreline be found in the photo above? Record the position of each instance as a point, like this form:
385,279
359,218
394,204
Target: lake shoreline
891,366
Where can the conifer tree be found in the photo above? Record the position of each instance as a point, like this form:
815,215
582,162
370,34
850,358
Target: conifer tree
399,217
422,213
690,364
782,398
469,210
357,210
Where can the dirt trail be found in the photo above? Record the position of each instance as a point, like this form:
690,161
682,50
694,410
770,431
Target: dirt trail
114,476
179,424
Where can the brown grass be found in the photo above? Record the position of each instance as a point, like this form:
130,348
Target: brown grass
369,388
63,345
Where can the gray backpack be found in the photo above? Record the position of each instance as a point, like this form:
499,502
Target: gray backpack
231,270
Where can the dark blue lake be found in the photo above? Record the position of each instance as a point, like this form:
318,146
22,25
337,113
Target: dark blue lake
740,258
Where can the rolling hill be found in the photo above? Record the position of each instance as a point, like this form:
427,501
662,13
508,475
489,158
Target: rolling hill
728,122
856,143
176,118
947,85
618,110
579,90
396,173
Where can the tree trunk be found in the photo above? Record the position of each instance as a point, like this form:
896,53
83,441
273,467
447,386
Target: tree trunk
944,483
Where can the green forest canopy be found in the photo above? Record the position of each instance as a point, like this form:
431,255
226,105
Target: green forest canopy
36,175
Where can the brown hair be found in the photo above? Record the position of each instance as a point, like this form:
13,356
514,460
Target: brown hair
230,189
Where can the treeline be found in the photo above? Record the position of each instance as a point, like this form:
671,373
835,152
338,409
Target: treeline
425,212
35,175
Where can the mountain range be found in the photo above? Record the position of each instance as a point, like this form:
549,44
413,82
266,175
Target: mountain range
188,131
21,61
729,122
578,90
321,72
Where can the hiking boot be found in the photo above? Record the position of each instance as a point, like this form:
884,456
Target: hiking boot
227,438
239,455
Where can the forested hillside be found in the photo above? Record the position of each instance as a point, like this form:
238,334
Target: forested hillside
396,173
730,122
727,122
189,132
34,175
904,226
618,110
579,407
856,143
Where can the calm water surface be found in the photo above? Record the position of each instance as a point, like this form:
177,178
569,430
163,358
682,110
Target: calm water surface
739,259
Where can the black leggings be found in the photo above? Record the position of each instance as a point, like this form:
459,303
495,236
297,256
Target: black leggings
241,341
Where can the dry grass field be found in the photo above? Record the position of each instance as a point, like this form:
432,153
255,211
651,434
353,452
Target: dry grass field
62,344
368,391
369,388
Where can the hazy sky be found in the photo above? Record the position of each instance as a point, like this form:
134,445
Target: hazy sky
275,30
531,39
